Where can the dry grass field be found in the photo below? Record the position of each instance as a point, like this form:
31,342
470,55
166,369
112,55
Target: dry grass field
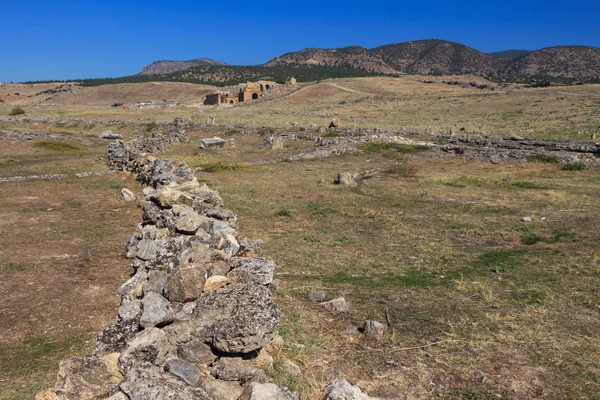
478,304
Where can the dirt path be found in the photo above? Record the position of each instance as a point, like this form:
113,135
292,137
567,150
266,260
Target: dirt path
335,85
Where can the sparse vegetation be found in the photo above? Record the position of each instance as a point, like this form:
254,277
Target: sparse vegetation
218,166
373,147
57,146
574,167
16,111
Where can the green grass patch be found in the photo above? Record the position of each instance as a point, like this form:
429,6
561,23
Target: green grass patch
464,181
374,147
284,212
318,209
529,240
266,130
16,111
332,134
57,146
512,114
499,261
543,158
574,167
220,166
149,126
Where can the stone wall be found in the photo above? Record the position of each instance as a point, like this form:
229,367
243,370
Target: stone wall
196,316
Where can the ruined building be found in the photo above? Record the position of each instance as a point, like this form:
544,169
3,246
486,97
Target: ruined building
248,91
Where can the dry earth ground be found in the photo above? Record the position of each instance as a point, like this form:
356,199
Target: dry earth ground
480,305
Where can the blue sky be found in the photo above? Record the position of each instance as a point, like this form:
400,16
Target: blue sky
65,39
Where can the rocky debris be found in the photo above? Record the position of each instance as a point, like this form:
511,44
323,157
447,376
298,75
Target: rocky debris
110,135
292,368
527,219
212,143
373,329
341,389
23,136
273,143
338,305
345,178
127,195
317,296
33,178
181,316
267,391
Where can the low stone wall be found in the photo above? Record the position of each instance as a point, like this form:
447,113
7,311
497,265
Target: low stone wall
196,320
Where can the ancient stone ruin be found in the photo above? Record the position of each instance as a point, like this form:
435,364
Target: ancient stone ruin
196,313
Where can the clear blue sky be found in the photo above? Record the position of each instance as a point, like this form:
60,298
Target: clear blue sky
65,39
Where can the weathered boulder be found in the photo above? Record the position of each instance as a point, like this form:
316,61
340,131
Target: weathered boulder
236,318
341,389
273,143
115,337
233,369
185,284
260,269
205,196
156,310
197,352
151,383
167,197
345,178
88,378
339,305
229,244
373,328
130,311
150,346
191,222
267,391
220,390
127,195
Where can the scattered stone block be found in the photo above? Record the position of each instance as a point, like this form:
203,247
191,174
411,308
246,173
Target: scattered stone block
156,310
110,135
127,195
373,329
339,305
317,296
185,284
212,143
341,389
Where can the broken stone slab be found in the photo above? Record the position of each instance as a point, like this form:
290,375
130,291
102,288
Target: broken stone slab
339,305
127,195
229,244
150,346
167,197
156,310
341,389
110,135
268,391
260,269
212,143
292,368
130,311
191,222
233,369
185,284
183,370
88,377
236,318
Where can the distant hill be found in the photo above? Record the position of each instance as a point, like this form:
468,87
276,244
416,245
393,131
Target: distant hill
554,63
509,54
167,67
435,57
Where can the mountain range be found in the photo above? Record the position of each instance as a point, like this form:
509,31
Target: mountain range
426,57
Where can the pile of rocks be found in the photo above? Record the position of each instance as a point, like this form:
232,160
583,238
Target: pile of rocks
196,314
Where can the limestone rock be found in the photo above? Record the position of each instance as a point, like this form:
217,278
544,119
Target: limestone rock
261,269
264,360
215,282
110,135
267,391
47,394
127,195
167,197
118,396
115,337
343,390
204,196
150,346
229,245
233,369
151,383
130,311
184,370
185,284
373,328
212,143
345,178
197,352
89,377
220,390
317,296
156,310
236,318
292,368
340,305
191,222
